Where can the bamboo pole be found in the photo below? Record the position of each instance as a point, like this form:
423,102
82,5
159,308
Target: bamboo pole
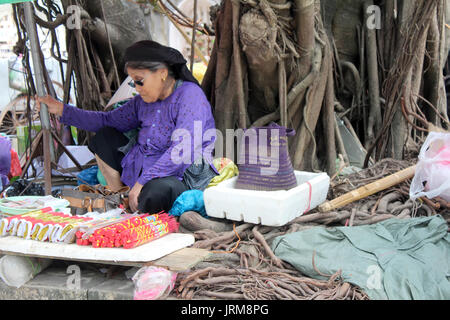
368,190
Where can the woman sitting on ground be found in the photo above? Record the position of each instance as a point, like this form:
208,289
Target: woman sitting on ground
169,98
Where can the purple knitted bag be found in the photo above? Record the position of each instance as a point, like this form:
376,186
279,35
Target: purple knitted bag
264,163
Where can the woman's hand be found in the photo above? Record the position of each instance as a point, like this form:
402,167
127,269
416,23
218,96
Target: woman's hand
133,196
54,106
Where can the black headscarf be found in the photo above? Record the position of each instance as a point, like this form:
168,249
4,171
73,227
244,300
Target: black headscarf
152,51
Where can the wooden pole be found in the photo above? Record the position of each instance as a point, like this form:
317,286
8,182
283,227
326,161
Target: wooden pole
369,189
49,154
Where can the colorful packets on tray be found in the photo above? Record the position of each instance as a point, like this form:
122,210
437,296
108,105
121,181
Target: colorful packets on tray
127,231
41,225
130,232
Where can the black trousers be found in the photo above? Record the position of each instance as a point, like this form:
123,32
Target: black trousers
158,194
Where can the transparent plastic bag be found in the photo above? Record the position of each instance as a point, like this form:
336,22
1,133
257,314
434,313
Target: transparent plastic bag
432,176
16,73
153,283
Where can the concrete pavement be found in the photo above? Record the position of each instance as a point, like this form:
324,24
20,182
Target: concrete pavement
55,283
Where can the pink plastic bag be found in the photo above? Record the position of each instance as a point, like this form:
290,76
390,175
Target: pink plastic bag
432,177
152,283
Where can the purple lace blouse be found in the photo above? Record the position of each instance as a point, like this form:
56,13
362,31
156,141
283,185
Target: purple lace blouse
171,135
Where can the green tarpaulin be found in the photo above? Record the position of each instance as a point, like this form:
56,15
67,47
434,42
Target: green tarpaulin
395,259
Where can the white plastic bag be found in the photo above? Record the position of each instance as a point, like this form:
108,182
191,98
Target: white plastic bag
15,271
432,176
152,283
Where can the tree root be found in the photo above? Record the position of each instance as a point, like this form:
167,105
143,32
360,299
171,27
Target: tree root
223,237
251,284
252,271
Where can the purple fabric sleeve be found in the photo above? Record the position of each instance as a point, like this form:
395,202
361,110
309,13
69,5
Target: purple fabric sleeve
123,118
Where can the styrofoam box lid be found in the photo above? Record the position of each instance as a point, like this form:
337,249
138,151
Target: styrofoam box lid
271,208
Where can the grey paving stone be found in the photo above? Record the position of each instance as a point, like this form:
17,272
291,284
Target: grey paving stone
52,284
112,289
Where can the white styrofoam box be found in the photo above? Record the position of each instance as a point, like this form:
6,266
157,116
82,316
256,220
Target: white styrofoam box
269,208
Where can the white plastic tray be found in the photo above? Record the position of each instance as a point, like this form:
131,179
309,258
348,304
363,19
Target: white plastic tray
270,208
147,252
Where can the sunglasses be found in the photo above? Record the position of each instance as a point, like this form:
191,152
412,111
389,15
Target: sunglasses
133,83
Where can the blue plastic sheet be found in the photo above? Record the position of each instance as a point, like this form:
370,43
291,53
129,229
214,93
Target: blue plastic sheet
191,200
88,176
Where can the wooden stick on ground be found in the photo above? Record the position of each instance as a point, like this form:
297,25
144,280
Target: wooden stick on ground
368,190
258,236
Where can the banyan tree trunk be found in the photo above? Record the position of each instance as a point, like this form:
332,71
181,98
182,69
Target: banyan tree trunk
301,63
283,65
414,62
